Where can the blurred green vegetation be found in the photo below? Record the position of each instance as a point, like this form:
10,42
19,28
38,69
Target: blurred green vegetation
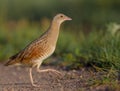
84,12
99,49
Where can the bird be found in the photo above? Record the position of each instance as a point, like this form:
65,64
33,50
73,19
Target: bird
40,49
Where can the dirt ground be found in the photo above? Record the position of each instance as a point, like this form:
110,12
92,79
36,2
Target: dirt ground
17,79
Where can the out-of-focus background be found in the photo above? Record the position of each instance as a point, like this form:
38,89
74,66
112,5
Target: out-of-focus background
90,39
84,13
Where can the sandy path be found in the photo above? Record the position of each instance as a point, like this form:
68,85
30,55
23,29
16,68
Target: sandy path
17,79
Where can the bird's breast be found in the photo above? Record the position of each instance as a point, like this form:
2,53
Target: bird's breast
48,51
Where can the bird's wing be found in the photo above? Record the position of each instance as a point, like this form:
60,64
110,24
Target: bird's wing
31,53
28,54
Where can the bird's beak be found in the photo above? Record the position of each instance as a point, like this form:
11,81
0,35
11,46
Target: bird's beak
68,18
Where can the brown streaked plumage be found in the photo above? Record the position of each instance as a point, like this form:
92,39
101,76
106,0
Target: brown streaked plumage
38,50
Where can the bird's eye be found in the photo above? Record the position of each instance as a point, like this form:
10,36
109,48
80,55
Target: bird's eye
61,16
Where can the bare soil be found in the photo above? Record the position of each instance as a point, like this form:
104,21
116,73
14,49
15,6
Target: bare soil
17,79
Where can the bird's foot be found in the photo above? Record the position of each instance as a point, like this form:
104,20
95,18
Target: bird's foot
52,70
34,85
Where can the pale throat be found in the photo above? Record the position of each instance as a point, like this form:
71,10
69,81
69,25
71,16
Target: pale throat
54,31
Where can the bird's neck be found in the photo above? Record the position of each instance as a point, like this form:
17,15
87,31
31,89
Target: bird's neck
54,32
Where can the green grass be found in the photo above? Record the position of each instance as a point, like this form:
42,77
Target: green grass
98,50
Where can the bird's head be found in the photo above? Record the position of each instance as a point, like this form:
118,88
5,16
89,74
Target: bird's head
59,18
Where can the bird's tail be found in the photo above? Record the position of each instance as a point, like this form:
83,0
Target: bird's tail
10,62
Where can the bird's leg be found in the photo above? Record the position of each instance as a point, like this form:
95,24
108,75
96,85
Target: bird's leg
52,70
31,78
